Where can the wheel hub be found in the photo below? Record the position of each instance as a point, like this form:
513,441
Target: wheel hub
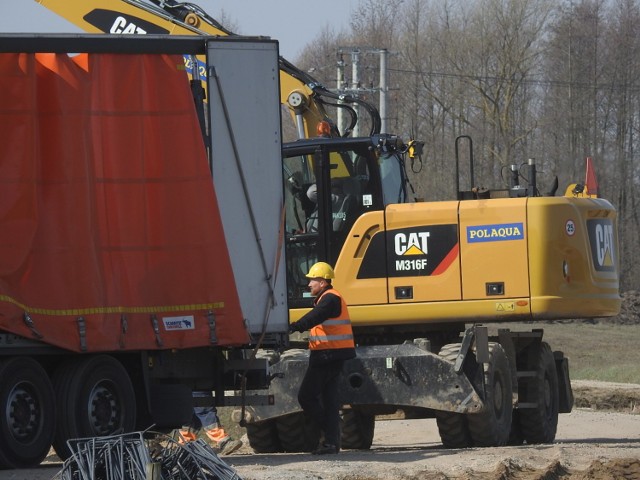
23,413
104,410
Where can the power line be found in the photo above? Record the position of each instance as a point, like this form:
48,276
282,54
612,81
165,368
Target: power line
528,81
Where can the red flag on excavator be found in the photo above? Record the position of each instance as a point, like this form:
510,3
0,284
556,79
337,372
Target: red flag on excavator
590,180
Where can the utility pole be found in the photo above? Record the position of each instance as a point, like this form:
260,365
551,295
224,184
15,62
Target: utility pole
383,90
356,90
340,88
355,85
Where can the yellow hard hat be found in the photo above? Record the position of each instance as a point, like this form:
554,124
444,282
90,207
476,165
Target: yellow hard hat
321,270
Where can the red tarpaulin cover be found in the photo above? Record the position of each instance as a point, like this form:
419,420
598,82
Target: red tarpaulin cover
111,236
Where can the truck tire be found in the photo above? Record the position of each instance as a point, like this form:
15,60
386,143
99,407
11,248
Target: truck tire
492,426
539,424
453,428
27,422
263,437
95,398
297,435
357,430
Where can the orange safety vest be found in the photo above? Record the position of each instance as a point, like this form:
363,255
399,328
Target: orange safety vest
334,332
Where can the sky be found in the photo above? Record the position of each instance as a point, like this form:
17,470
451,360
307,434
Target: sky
294,23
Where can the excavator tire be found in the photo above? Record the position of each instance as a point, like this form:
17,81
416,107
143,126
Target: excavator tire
539,424
263,437
357,430
515,436
296,435
453,428
492,426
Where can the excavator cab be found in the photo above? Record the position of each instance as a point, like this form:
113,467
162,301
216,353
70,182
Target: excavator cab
330,184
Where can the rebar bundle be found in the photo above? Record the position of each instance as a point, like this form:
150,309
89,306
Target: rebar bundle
143,456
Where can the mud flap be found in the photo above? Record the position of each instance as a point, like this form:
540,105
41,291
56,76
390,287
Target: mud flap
564,383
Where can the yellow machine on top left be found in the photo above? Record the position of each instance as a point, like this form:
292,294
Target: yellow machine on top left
301,93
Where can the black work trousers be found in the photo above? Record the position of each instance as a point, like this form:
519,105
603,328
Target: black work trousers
318,397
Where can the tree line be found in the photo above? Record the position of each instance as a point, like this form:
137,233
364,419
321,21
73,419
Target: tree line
542,79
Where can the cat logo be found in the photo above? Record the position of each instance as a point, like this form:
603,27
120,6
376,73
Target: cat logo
411,244
122,26
112,21
603,244
414,243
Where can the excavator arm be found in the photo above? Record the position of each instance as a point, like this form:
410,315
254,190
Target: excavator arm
301,93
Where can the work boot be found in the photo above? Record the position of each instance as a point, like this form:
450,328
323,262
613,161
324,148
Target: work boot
186,435
228,446
325,449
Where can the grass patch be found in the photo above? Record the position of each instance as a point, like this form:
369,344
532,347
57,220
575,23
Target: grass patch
602,351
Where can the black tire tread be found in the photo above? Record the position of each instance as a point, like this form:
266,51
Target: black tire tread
453,428
358,429
21,454
295,434
540,424
489,428
263,437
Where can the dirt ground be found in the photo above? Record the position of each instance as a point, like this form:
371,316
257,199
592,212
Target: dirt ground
597,441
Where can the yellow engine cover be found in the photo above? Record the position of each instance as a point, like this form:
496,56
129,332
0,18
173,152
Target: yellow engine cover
482,260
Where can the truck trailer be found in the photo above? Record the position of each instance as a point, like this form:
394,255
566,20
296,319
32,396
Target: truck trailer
140,258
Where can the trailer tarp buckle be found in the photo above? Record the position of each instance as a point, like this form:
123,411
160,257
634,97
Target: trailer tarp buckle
211,317
82,333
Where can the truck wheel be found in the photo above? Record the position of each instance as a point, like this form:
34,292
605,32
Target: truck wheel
27,421
357,430
492,426
263,437
453,428
296,435
539,424
95,398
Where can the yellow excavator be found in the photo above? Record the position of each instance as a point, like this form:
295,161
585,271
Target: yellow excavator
422,279
302,94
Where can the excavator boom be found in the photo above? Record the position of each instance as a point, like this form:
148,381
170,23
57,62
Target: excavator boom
302,94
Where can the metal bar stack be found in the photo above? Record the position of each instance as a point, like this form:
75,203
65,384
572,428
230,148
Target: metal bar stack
143,456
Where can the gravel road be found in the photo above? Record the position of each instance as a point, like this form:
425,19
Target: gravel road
594,445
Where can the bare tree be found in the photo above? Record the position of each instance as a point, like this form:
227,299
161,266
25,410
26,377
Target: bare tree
556,81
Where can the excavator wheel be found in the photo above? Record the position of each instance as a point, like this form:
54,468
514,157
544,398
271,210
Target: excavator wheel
263,437
492,426
453,428
539,424
515,436
357,430
297,435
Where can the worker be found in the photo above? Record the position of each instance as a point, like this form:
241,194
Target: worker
331,344
206,418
